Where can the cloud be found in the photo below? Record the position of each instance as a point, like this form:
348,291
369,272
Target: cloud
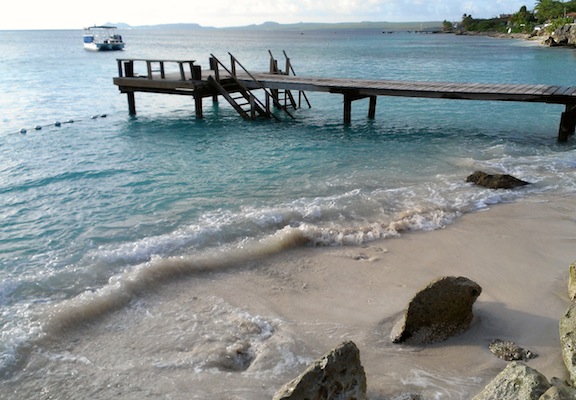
68,14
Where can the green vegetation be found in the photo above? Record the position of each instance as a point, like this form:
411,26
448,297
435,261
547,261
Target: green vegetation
552,12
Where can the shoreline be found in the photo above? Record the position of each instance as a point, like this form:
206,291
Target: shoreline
293,307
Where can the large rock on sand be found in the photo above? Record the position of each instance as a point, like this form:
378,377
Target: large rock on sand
337,375
516,382
441,310
496,181
568,340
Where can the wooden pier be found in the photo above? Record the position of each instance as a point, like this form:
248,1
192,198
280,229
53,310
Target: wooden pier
280,89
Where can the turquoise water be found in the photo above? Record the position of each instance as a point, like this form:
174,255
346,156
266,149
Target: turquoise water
105,193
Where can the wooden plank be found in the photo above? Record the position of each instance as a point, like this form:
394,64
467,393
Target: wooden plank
561,91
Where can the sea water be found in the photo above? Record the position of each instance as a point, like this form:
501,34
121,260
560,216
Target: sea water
98,207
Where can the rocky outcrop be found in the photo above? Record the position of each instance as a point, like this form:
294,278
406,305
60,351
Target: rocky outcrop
510,351
516,382
441,310
572,281
568,340
562,36
337,375
495,181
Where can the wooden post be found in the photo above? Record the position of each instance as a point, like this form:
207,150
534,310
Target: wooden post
120,69
182,74
372,107
129,69
214,67
196,73
198,104
131,103
149,69
348,108
567,123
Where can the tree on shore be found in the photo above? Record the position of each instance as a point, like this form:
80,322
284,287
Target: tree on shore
548,10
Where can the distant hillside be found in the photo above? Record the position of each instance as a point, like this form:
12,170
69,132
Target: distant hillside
387,26
303,26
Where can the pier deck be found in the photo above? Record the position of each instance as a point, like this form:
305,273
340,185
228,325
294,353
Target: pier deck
189,79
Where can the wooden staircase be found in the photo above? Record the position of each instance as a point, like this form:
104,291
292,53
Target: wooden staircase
242,98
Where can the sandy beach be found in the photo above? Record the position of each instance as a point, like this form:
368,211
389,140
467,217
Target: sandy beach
309,300
519,253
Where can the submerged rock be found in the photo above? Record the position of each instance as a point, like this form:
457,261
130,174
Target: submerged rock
441,310
510,351
496,181
516,382
337,375
568,340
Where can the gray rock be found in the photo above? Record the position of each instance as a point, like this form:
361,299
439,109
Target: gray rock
439,311
562,392
515,382
337,375
496,181
562,36
568,340
572,281
510,351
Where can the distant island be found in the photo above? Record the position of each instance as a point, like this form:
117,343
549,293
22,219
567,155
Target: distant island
301,26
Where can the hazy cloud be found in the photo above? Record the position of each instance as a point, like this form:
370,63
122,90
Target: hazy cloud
70,14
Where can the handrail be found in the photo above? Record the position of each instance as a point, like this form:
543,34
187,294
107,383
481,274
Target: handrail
289,69
274,100
129,71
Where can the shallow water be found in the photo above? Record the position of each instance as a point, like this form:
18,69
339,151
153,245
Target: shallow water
105,206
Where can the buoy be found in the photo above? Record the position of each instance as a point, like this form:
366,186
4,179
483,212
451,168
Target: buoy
57,123
22,130
37,127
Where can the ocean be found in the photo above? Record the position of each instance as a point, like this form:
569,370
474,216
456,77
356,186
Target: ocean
101,211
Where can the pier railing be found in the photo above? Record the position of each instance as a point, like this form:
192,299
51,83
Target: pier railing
185,69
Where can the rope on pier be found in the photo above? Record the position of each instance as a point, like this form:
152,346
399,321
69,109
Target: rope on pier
58,124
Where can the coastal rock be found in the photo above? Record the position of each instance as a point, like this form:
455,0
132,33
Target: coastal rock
441,310
516,382
337,375
496,181
559,392
562,36
572,281
568,340
510,351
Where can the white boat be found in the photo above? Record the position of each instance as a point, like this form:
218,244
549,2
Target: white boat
102,38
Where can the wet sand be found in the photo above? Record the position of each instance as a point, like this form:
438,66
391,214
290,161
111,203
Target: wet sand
291,308
519,253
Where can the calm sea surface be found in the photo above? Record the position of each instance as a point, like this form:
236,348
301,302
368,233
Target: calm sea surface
103,194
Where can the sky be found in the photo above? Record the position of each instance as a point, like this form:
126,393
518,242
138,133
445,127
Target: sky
76,14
